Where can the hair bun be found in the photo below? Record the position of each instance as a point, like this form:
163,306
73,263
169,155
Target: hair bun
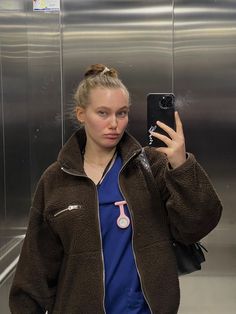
100,69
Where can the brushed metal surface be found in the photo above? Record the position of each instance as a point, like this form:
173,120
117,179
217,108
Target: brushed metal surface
31,122
44,93
30,115
204,68
14,110
133,36
2,158
204,83
194,57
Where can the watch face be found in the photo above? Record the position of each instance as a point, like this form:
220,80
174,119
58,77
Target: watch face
123,222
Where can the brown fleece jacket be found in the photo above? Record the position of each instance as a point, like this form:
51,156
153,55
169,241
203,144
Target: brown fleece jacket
61,264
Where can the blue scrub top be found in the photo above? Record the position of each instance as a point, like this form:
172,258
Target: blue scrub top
123,292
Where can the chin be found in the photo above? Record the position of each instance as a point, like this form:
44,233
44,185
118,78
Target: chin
112,144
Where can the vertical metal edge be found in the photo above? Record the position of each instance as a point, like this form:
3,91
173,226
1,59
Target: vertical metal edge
3,139
61,73
173,48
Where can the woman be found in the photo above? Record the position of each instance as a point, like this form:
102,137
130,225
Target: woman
98,239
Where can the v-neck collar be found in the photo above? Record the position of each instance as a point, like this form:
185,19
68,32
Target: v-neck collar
108,168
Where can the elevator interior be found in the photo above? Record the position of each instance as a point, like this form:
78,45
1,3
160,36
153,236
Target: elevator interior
184,46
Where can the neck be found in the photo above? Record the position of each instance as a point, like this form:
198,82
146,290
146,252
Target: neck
98,156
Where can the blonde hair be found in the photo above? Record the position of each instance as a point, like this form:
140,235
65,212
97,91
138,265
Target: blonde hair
97,75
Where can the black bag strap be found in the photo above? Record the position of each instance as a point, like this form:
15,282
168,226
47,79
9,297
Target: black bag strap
148,171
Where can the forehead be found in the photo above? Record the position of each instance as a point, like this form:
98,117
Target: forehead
108,97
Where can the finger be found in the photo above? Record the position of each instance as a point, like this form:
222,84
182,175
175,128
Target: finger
166,128
178,123
161,137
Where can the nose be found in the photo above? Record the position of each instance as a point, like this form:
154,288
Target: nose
113,122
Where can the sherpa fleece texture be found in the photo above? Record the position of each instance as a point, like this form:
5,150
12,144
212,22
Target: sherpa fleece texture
61,266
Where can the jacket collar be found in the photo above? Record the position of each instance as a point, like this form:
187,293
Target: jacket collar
70,157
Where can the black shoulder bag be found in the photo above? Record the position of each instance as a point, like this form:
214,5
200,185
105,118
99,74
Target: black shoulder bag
188,257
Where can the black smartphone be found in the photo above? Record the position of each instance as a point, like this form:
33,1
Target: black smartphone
160,107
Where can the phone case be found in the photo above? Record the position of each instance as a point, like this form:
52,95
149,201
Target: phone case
160,107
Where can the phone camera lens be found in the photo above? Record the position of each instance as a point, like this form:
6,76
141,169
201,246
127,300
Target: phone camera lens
166,102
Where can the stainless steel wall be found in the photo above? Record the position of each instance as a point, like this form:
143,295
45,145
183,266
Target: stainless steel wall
30,118
204,53
14,119
14,136
45,90
204,82
183,46
2,176
31,101
133,36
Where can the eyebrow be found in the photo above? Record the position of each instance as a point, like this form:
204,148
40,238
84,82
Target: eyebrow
108,108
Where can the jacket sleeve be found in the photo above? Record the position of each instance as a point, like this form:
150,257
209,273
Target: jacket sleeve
34,284
192,204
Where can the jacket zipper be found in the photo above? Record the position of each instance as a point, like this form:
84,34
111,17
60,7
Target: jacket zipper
100,233
103,263
131,213
69,208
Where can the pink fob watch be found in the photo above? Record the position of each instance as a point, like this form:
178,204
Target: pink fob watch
123,221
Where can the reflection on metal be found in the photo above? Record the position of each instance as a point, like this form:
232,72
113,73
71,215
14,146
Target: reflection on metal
133,36
30,104
14,116
185,46
7,271
9,255
30,116
45,117
2,150
204,74
7,248
11,5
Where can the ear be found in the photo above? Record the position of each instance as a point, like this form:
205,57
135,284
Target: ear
80,114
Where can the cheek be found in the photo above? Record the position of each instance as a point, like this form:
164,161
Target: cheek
96,124
123,123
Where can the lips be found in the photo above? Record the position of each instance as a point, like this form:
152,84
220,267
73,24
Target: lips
112,136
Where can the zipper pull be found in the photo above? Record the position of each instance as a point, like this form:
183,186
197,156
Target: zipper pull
70,207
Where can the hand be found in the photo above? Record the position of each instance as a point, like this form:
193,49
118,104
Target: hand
175,150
